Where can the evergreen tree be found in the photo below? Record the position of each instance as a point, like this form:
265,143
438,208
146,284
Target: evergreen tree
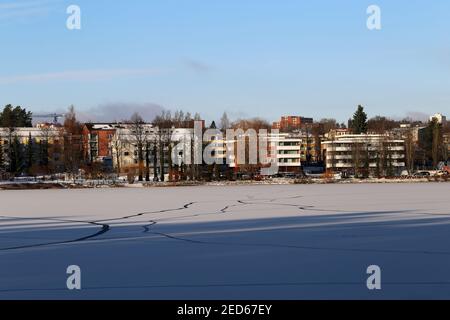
30,147
12,117
15,156
431,142
359,121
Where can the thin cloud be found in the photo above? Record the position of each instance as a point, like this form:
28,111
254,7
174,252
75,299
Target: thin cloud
414,116
19,10
80,75
197,66
417,116
120,111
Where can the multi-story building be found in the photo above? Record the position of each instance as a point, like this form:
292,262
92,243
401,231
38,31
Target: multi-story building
42,146
288,149
406,130
446,137
365,155
441,119
97,141
125,146
157,146
290,123
294,150
333,133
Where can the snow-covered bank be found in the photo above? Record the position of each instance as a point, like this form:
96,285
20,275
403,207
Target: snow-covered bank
275,182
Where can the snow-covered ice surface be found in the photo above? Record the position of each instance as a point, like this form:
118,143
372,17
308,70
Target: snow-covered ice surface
241,242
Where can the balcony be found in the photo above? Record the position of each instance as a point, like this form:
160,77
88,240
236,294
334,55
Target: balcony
288,148
288,156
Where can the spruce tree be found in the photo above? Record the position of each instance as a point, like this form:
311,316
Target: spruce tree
359,121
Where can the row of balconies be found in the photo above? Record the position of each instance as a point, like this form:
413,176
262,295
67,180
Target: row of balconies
289,156
349,149
351,165
372,157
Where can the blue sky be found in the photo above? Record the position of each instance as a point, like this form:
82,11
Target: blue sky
249,57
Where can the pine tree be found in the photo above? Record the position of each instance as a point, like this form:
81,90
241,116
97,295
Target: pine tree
359,121
15,117
16,157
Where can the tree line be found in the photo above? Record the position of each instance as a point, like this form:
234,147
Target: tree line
62,149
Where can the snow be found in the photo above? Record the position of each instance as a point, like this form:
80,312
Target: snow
227,242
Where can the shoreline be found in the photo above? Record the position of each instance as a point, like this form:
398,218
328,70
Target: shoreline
95,185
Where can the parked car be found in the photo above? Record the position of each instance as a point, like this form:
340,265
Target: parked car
404,173
422,174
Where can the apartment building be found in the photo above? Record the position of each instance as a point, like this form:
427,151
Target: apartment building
97,139
289,152
441,119
365,154
125,145
43,145
446,137
290,123
406,131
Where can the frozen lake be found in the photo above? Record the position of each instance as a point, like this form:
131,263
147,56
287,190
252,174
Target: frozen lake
241,242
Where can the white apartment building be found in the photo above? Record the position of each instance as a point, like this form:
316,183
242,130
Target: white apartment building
125,148
124,145
36,133
365,154
39,138
288,149
441,119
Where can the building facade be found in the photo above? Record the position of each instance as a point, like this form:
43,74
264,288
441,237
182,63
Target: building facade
446,138
290,123
37,150
365,155
441,119
97,140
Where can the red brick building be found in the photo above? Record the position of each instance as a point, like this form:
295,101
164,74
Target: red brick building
289,123
97,139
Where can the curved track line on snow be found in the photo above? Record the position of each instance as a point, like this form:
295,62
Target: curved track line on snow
104,228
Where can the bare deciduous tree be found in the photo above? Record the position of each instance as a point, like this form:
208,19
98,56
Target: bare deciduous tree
140,135
410,150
